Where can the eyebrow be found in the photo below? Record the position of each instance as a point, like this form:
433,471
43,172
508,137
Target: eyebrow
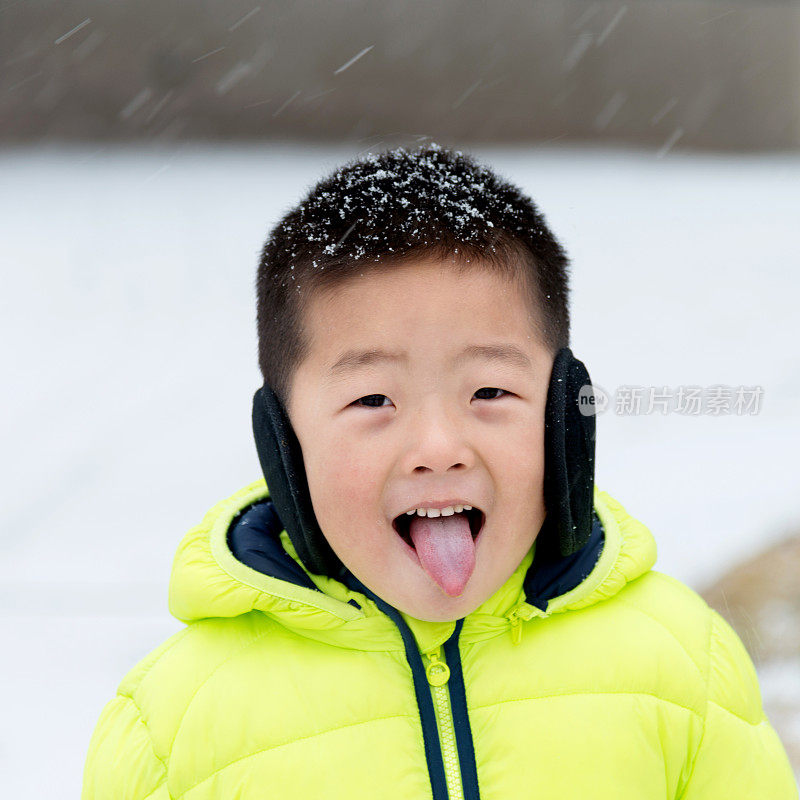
499,353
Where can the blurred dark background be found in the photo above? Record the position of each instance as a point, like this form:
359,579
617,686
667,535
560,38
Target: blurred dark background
658,73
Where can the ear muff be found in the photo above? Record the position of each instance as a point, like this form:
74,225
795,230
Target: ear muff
568,484
282,463
569,456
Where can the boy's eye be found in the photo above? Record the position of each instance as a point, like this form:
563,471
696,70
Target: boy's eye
490,389
371,400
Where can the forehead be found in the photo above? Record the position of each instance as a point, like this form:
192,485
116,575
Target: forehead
433,304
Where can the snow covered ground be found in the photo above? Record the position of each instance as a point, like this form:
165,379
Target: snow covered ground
129,360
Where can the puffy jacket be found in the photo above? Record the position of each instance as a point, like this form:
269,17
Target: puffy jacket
593,676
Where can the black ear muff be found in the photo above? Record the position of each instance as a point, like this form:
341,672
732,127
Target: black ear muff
569,456
282,463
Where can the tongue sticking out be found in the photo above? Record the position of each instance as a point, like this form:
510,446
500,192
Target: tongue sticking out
445,549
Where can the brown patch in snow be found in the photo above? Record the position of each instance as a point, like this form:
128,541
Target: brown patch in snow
760,598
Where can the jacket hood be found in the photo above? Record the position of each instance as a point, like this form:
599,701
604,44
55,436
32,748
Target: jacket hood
239,560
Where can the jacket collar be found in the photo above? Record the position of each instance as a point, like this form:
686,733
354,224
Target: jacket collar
240,560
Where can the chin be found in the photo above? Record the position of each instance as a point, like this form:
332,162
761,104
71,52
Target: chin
438,617
441,609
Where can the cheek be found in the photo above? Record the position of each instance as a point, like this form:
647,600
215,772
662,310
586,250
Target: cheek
346,482
523,461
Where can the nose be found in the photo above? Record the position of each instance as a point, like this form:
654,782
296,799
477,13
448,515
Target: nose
438,443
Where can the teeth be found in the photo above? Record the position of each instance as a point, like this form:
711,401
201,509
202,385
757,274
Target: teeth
435,512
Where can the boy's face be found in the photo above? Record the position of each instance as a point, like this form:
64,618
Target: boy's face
382,437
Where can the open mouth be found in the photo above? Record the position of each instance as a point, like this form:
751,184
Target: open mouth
476,518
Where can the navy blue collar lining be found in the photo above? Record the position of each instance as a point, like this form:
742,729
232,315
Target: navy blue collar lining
254,539
551,575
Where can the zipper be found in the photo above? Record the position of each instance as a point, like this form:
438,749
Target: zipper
524,611
442,703
438,674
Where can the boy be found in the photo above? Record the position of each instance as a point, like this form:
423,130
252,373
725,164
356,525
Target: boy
428,597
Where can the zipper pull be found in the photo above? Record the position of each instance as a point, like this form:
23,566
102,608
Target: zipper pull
515,618
437,671
516,628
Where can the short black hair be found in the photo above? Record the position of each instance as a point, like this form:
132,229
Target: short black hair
391,207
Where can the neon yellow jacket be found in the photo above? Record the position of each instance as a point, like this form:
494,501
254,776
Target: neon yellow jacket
626,685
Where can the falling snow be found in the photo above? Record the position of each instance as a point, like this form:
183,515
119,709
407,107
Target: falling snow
353,60
69,33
